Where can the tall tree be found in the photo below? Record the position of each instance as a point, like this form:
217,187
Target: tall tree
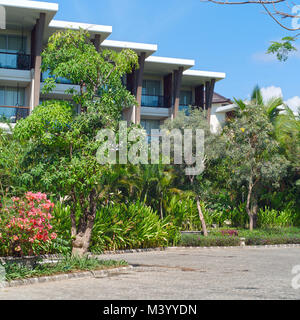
195,120
255,161
62,145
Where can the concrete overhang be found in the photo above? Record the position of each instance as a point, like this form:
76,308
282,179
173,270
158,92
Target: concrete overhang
138,48
22,14
93,29
60,91
163,65
14,77
224,109
154,113
195,78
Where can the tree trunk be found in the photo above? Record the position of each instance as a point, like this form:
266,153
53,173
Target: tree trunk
251,222
81,243
161,208
82,239
252,206
201,217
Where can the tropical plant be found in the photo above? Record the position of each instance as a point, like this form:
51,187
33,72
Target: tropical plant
135,225
61,145
272,107
11,154
254,155
196,120
287,132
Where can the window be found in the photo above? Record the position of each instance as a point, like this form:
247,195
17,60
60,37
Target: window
151,87
148,125
10,45
14,97
185,98
151,94
61,80
185,101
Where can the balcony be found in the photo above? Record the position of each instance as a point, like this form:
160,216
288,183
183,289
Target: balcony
13,113
153,101
185,108
59,80
16,61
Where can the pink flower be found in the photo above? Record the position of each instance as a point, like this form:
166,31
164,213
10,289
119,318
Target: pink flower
18,248
53,235
15,238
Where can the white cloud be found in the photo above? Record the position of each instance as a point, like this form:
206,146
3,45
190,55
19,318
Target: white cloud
294,103
271,92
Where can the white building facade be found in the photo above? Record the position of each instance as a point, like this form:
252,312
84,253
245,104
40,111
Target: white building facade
162,86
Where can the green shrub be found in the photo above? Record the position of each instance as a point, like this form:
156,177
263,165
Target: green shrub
210,241
184,214
269,236
118,227
272,218
131,226
272,240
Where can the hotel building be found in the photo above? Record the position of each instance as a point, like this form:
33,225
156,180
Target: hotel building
162,86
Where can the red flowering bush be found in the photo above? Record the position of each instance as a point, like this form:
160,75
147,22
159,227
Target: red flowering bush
25,227
230,233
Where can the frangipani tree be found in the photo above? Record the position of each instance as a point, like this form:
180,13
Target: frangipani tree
195,120
254,155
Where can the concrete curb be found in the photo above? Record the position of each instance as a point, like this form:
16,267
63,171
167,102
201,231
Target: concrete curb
66,276
183,248
31,260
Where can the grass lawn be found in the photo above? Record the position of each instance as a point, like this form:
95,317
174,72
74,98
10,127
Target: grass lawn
267,236
14,271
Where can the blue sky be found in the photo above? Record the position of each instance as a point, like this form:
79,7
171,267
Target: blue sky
231,39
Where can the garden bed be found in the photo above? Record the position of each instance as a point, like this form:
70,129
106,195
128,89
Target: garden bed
257,237
17,271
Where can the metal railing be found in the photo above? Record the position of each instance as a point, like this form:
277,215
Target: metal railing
153,101
13,113
18,61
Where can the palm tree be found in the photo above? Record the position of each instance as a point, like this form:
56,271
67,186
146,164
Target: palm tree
287,132
273,106
286,123
157,185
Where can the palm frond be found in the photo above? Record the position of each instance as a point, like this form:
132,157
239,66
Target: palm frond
256,96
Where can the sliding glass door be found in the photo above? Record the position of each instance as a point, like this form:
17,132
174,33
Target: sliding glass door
151,94
10,99
11,47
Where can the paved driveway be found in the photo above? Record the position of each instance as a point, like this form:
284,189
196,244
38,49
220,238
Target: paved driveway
194,274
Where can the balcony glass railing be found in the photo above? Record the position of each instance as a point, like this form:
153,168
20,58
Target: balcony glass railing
17,61
184,108
13,113
61,80
153,101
